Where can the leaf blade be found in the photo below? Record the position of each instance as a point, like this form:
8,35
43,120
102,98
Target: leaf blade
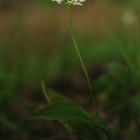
126,58
68,110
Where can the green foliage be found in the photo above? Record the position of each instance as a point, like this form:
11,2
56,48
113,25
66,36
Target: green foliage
122,88
124,53
122,97
11,79
74,118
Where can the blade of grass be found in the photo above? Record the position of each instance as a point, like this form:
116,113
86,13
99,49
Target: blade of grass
0,3
125,56
10,39
136,47
34,62
0,19
5,57
7,49
20,58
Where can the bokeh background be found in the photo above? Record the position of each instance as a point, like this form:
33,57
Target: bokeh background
36,44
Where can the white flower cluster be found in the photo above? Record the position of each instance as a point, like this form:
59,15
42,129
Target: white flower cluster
70,2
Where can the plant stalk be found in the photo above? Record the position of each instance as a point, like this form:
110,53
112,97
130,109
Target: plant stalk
83,66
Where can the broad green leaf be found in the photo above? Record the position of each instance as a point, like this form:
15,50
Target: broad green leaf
54,97
97,121
62,110
67,110
58,102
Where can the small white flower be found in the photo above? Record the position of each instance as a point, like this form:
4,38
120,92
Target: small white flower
58,1
70,2
74,2
82,0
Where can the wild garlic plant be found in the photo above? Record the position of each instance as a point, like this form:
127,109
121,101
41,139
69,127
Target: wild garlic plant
71,115
68,4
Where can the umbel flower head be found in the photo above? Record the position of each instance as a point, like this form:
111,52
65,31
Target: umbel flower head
69,3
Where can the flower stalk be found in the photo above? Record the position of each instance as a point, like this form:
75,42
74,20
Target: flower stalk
83,66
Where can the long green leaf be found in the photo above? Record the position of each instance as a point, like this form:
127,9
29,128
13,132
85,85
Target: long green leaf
54,97
136,47
62,110
5,53
20,57
68,110
126,58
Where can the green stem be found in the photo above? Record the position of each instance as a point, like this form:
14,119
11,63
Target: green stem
83,66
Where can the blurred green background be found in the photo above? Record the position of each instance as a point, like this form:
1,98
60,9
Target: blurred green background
36,44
